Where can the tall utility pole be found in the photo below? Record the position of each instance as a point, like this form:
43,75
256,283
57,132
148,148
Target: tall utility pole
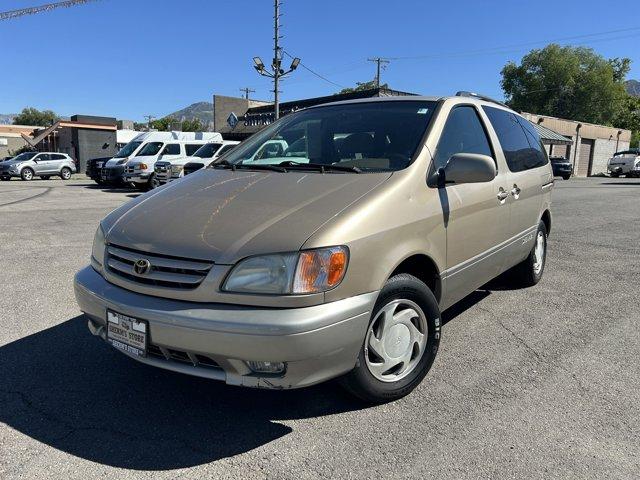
247,91
381,63
276,66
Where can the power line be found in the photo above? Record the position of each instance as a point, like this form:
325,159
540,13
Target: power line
8,15
506,48
314,72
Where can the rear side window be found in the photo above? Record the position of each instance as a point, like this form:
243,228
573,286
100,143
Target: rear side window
190,149
521,147
172,149
463,133
57,157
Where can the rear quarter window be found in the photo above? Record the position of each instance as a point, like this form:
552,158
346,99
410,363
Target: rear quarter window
519,140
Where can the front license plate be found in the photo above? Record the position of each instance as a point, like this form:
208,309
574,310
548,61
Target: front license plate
127,333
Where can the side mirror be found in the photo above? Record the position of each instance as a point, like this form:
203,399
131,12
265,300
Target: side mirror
467,168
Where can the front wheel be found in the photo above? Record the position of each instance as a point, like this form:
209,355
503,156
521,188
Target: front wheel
401,342
65,173
566,177
153,182
26,174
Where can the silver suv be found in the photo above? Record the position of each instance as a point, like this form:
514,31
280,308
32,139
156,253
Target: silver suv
38,164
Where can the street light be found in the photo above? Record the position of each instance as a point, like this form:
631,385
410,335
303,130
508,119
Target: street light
276,73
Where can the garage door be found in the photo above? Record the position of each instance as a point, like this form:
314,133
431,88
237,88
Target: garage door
585,157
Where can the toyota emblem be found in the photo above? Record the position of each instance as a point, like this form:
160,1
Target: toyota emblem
142,266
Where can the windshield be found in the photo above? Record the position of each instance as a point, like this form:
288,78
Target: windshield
24,156
375,136
207,150
128,150
150,149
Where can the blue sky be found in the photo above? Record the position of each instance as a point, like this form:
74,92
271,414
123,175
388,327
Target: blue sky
128,58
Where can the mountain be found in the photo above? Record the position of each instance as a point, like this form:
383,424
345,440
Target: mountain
633,87
200,110
7,118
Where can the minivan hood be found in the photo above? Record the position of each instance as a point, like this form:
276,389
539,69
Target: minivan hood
223,216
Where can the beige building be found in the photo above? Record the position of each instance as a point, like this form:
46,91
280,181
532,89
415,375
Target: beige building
591,146
11,138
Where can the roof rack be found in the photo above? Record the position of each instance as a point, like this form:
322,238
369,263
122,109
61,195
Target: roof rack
464,93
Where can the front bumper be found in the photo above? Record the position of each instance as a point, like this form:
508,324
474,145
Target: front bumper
137,177
112,174
317,343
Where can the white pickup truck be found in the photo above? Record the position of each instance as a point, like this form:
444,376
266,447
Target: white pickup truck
625,163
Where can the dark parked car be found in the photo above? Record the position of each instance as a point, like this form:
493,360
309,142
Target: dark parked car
561,167
94,168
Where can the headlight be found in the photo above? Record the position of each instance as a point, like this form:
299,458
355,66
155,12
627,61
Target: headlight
309,271
97,251
177,168
142,166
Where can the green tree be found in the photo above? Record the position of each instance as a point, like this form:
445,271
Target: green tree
362,86
35,117
629,117
163,124
567,82
194,125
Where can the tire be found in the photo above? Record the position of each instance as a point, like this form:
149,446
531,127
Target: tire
99,182
614,175
370,380
5,179
26,174
44,177
153,182
566,177
530,271
65,173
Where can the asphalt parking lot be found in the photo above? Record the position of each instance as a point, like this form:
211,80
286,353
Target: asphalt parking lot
535,383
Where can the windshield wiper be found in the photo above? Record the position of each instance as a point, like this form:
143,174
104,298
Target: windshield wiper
321,167
238,166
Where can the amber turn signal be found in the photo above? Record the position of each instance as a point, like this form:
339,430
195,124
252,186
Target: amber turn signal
320,270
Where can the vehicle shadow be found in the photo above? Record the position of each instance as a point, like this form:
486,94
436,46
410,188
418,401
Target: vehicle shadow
105,188
621,183
67,389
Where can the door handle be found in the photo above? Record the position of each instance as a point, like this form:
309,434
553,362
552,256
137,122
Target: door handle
502,195
515,191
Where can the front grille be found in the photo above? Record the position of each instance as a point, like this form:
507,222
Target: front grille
195,359
164,271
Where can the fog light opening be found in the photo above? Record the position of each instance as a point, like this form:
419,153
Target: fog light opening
267,367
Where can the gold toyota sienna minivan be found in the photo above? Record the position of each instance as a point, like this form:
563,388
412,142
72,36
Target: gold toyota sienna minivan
332,256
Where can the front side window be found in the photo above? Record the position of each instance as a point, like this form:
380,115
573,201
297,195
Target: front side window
150,149
172,149
43,157
128,150
207,150
463,133
191,148
521,149
369,136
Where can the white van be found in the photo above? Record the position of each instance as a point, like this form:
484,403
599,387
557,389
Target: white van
139,170
168,170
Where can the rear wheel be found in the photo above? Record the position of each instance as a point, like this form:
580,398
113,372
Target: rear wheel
530,271
65,173
26,174
401,342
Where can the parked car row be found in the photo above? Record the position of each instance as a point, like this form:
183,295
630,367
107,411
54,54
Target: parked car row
45,165
150,159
